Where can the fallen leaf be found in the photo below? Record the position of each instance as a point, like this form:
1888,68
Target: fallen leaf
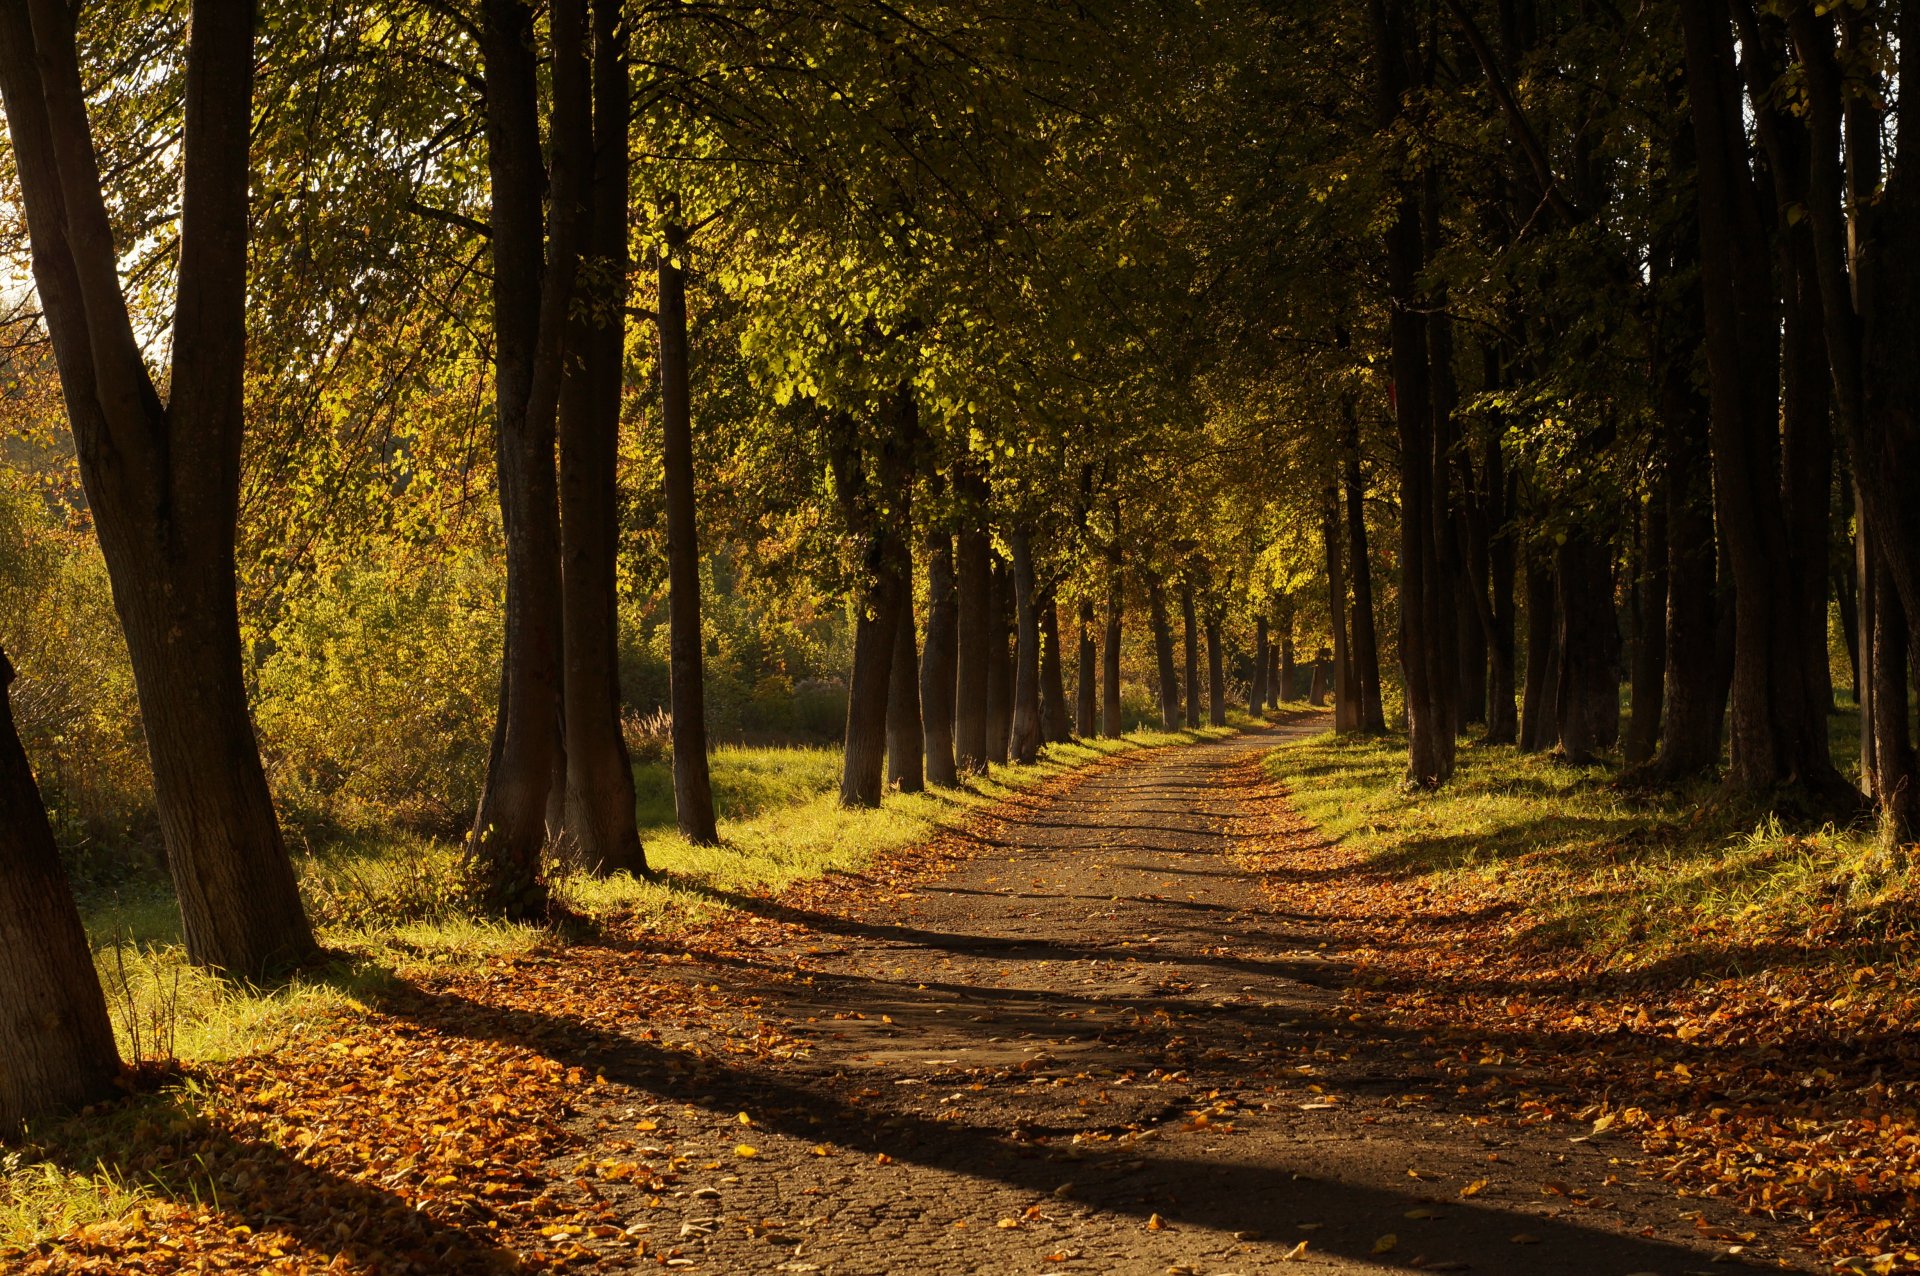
1385,1244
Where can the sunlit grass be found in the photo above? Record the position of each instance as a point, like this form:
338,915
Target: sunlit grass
1635,877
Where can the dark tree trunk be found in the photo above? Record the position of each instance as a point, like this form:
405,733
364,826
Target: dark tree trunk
906,763
536,259
1366,642
1649,636
877,521
597,798
1345,703
1428,673
1539,715
56,1042
162,480
1257,696
1778,735
1112,724
1163,654
1055,719
1283,677
1087,689
1192,624
1589,689
1846,586
1028,730
975,634
1216,675
1317,681
937,673
1892,781
999,661
692,783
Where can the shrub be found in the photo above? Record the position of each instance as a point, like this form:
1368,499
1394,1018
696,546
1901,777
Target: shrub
376,701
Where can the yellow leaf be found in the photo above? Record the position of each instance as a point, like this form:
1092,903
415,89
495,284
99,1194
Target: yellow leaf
1295,1254
1156,1224
1474,1188
1386,1244
745,1150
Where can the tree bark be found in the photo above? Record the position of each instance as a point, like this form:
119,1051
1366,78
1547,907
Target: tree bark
1366,642
1028,730
56,1042
1539,714
1345,702
1283,678
937,672
1428,673
1778,734
1112,724
1055,720
999,661
1648,681
878,523
1163,655
1590,679
974,631
1087,686
1216,674
1893,780
1192,623
598,816
692,782
1257,695
162,480
906,762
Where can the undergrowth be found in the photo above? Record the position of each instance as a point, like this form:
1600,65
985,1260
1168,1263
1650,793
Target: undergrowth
1686,881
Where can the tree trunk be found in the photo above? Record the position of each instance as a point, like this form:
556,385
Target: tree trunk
1257,696
1087,688
975,637
162,480
1778,735
1650,635
56,1042
906,765
1590,679
1163,655
1893,782
1366,642
1192,624
692,783
999,661
1112,724
1428,674
1028,729
1345,702
876,521
1216,675
1282,676
1055,720
937,673
1539,715
596,789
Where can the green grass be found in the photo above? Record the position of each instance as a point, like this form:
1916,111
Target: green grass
1636,878
387,905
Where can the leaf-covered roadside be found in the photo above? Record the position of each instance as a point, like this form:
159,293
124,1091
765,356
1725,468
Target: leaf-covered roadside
439,1132
1786,1079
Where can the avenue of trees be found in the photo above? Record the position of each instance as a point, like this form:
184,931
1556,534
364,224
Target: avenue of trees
1457,362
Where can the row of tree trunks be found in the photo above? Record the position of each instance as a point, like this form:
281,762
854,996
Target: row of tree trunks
1216,675
1169,678
906,740
1112,724
162,479
974,599
999,660
1191,622
1346,700
1257,696
1370,714
1026,731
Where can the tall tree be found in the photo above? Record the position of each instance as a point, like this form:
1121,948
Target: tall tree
163,478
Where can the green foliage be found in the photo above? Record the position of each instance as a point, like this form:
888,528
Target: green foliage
74,702
376,697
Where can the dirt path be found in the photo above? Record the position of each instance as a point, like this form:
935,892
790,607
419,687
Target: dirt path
1089,1047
